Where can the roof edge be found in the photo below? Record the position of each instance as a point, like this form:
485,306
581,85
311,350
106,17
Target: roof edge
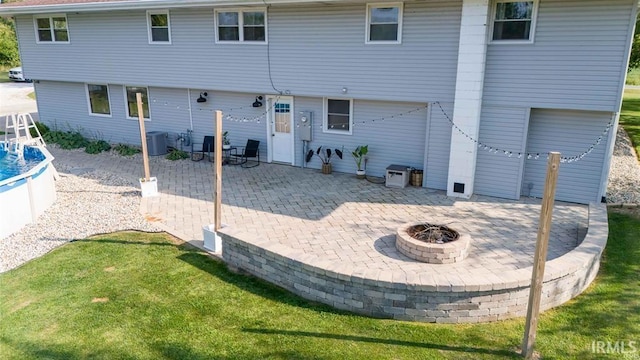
9,10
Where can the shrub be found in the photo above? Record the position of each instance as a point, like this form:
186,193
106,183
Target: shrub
176,154
43,128
97,146
126,150
66,139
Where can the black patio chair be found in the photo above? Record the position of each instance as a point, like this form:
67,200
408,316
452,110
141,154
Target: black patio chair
207,148
251,150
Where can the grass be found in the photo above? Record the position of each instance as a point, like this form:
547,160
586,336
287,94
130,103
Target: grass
633,77
141,296
630,117
4,76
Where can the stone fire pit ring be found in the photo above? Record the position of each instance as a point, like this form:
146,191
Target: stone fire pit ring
432,253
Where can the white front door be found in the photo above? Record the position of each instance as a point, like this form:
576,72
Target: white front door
281,129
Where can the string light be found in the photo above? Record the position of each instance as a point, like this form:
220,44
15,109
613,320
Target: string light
535,156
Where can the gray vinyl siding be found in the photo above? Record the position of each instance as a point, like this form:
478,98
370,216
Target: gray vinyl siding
63,105
314,50
570,133
400,140
240,119
576,62
497,174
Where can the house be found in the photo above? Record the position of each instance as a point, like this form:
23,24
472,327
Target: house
475,92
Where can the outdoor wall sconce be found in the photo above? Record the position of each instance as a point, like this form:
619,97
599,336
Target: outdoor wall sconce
203,97
258,102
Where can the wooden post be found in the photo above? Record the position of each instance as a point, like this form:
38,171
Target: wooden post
542,245
218,170
143,137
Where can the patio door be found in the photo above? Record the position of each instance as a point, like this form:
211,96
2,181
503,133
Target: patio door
280,124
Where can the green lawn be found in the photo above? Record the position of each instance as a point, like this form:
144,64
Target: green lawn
630,116
4,76
141,296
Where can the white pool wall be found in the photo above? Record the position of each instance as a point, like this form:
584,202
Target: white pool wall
26,196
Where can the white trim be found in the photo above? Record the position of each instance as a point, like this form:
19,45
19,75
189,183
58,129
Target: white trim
532,29
8,9
86,88
51,28
126,102
149,33
241,39
325,116
400,7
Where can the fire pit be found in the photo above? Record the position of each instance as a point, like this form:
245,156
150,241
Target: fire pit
432,243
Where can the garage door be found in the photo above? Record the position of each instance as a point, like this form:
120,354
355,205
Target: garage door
570,133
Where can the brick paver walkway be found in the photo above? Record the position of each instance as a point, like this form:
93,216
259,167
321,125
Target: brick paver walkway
339,218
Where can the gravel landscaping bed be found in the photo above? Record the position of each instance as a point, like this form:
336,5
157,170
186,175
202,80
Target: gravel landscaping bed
92,203
624,179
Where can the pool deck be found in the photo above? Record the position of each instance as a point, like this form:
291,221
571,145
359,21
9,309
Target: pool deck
345,225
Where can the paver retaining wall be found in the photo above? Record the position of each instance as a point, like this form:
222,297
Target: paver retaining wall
420,297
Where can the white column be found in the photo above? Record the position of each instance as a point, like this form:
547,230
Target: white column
472,51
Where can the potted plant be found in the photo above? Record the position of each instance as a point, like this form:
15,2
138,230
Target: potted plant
325,156
226,144
359,155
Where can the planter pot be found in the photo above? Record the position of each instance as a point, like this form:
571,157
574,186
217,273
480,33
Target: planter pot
150,187
361,174
326,168
226,147
416,177
212,241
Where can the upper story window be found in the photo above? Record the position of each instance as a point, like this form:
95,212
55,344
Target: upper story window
98,97
384,23
132,103
514,21
338,117
241,25
159,27
52,29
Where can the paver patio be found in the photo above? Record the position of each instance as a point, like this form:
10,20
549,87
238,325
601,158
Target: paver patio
331,238
338,217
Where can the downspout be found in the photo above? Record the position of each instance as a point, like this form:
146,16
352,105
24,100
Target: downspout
190,111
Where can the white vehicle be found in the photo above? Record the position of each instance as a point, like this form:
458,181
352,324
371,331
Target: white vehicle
15,74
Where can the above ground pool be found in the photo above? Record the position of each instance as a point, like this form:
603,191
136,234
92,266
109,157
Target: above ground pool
27,187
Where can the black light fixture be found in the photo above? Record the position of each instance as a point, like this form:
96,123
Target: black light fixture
203,97
258,102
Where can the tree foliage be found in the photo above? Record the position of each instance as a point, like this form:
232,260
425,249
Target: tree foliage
634,60
9,55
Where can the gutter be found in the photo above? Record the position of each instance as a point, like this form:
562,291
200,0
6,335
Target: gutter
9,10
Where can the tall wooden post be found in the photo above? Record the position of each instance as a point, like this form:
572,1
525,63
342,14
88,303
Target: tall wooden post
542,244
218,170
143,137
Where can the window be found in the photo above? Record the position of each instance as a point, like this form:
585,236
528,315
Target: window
514,20
98,96
241,26
159,27
132,105
384,23
338,117
52,29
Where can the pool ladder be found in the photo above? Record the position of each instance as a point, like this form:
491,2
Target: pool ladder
20,125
